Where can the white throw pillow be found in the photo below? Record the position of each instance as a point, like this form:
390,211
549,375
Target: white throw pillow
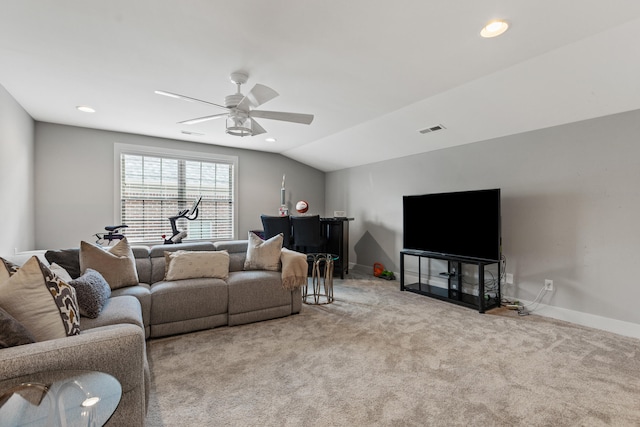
60,272
263,254
196,264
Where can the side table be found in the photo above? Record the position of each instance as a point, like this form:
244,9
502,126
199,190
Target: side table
61,398
321,279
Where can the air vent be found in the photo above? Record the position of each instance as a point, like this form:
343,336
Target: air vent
432,129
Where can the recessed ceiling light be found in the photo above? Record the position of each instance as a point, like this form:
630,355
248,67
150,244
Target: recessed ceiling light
85,109
494,28
270,139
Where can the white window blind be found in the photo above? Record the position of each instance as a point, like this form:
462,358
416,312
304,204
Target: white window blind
156,187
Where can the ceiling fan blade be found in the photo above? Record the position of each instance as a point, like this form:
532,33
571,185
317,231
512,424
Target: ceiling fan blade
187,98
256,129
258,96
203,119
305,119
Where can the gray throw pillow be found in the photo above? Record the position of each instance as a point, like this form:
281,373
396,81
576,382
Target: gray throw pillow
69,259
12,332
92,292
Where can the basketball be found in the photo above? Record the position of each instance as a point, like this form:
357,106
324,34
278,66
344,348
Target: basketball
302,206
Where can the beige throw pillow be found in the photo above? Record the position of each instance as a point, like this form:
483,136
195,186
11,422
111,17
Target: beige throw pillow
196,264
263,254
40,301
116,264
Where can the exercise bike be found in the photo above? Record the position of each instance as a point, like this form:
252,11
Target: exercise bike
113,233
189,214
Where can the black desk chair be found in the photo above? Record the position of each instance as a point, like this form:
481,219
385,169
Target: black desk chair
308,239
274,225
307,236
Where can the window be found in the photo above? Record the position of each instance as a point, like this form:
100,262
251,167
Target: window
156,185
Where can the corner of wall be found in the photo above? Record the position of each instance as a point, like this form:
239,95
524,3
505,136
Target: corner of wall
17,142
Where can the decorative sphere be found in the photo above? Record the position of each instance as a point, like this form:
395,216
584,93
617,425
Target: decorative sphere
302,206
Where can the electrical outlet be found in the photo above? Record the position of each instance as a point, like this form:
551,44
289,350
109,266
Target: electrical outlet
548,285
509,279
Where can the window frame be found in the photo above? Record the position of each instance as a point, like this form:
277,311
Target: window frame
119,149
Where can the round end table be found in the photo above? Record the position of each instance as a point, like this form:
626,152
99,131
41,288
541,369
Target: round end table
59,398
321,279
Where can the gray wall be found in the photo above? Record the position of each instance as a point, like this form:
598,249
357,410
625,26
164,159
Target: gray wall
16,176
570,208
75,182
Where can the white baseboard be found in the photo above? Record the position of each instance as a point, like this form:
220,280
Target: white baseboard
619,327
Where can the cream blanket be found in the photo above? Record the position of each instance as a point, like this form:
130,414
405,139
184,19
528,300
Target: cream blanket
294,269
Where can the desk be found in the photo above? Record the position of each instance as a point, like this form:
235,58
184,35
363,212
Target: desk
336,233
61,398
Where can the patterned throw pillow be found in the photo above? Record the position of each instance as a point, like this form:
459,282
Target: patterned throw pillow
45,305
92,291
263,254
116,264
7,269
196,264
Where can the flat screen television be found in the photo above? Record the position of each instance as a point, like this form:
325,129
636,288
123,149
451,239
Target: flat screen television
464,224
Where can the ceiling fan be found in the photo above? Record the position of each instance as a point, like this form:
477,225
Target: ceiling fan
240,114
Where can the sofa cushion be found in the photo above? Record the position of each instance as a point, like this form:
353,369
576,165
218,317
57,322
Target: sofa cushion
187,299
263,254
143,263
118,310
256,290
116,264
237,252
196,264
92,292
69,259
142,292
12,332
38,299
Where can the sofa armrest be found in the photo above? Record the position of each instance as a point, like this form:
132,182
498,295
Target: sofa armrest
118,350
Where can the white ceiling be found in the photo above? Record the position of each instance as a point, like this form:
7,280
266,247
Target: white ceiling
372,73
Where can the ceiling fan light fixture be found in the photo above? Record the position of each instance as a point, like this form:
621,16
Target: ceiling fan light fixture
239,126
240,109
494,28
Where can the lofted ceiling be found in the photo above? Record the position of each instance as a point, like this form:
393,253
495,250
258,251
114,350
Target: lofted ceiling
372,73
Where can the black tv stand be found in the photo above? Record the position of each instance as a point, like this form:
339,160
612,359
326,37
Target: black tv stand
453,290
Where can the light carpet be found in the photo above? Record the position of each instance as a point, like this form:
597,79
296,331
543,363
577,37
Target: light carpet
378,356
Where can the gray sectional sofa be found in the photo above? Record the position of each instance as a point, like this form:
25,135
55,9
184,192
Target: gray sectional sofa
170,308
114,342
